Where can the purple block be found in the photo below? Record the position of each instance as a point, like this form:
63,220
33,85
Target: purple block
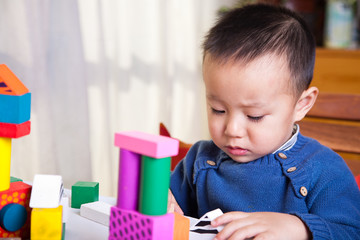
129,177
127,224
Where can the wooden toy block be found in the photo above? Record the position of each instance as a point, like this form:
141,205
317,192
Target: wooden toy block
5,159
15,179
154,185
9,83
13,217
46,223
18,193
147,144
12,130
127,224
46,191
84,192
96,211
129,178
15,109
181,227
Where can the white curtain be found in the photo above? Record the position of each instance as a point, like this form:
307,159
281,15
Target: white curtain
96,67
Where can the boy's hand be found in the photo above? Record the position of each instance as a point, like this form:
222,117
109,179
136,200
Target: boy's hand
260,225
173,206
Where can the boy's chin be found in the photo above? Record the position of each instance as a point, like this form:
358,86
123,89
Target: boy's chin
243,158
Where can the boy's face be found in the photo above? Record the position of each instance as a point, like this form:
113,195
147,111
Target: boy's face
251,109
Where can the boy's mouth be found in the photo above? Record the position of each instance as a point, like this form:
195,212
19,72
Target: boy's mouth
237,151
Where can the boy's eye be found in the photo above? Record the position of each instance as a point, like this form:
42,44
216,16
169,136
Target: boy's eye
217,111
255,118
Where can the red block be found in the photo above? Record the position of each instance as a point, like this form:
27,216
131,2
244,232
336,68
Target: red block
11,130
19,193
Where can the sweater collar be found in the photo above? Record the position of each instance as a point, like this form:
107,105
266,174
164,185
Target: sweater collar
291,142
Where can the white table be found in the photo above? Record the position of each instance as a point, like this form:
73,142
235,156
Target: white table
79,228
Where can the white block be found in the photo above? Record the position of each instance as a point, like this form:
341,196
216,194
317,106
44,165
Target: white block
46,191
96,211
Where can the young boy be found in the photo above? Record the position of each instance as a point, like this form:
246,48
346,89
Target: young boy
269,180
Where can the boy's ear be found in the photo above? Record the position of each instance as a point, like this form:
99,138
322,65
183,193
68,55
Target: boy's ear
305,102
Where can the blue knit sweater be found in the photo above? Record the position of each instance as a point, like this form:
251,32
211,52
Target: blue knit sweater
311,182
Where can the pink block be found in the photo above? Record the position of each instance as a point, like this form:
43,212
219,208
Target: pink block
154,146
127,224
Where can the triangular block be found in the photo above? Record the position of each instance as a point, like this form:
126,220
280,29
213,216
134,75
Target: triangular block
9,83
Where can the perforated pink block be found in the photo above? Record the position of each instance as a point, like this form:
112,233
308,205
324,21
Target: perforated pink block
154,146
127,224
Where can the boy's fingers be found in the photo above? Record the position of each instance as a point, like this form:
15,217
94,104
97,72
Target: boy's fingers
264,235
240,232
249,232
239,227
228,217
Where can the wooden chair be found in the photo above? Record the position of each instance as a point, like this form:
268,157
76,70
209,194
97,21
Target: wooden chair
357,178
335,118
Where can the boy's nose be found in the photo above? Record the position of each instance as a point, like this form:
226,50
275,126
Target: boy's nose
235,128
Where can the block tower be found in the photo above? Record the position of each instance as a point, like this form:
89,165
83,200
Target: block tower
144,179
15,102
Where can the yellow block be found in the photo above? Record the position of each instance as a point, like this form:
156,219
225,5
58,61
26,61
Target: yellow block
5,158
46,223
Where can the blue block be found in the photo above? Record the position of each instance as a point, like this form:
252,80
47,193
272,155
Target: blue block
15,109
13,217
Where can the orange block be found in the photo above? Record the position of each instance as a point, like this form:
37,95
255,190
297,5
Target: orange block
9,83
181,227
19,192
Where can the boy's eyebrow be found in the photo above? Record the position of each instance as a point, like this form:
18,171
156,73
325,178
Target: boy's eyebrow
254,104
248,104
212,97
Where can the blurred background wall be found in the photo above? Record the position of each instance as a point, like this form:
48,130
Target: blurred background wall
96,67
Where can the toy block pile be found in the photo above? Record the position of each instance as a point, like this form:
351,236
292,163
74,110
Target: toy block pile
144,179
50,206
38,211
15,104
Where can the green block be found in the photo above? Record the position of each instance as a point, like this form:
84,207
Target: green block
154,185
84,192
63,232
15,179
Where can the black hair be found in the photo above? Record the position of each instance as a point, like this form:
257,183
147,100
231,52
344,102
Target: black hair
255,30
